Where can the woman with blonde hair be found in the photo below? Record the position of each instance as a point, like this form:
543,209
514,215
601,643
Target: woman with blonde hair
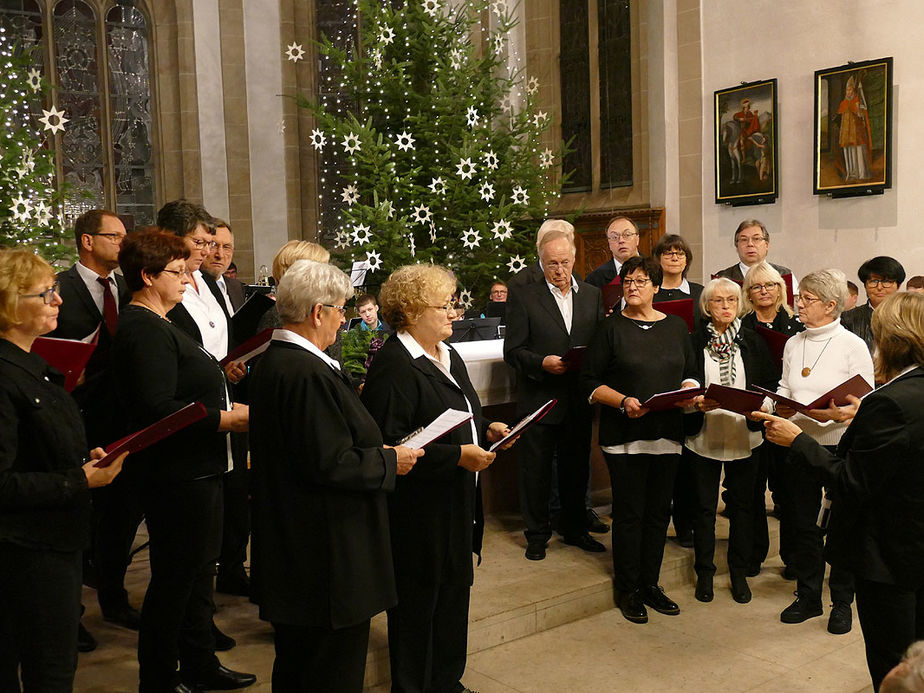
765,301
285,257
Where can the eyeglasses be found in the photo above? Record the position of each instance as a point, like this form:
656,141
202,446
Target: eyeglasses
200,244
884,283
637,283
733,301
47,296
225,248
769,286
176,273
745,240
449,307
625,235
111,236
807,300
674,253
342,309
559,265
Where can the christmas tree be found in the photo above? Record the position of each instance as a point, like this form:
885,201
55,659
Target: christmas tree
30,204
432,144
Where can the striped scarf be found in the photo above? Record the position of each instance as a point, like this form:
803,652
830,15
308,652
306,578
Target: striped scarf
722,349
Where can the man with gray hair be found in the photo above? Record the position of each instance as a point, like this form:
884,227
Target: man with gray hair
752,241
544,321
533,273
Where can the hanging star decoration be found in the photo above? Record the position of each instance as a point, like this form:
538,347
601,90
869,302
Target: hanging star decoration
498,42
350,194
42,214
438,186
387,36
520,196
502,230
388,208
532,86
35,79
455,58
351,143
376,55
465,169
507,102
546,158
21,209
499,7
282,126
465,298
516,264
540,118
404,141
490,159
471,116
412,246
486,191
317,139
471,238
422,214
53,120
432,232
374,260
361,234
342,239
294,52
431,7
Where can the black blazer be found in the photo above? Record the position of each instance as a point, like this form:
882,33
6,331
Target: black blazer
603,275
44,499
235,292
321,551
783,322
877,485
180,317
158,370
535,329
433,510
859,321
759,369
734,272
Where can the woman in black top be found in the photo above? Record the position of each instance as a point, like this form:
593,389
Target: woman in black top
635,354
765,301
45,477
675,256
159,369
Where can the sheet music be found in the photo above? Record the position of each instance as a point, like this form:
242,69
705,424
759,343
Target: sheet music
358,272
524,423
440,426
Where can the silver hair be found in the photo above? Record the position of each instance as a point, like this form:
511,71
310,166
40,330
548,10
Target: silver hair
720,283
908,677
550,225
828,285
306,284
554,236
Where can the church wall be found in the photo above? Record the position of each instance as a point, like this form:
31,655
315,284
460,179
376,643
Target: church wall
790,40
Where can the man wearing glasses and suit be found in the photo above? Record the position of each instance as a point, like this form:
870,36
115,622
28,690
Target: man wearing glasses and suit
622,236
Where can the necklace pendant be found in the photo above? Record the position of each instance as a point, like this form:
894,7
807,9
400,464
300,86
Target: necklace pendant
806,372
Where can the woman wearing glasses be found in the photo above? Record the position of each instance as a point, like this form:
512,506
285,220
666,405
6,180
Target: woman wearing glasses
46,472
814,362
435,511
674,255
635,354
764,294
158,370
881,277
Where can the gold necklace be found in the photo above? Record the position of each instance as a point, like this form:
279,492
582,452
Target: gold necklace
807,370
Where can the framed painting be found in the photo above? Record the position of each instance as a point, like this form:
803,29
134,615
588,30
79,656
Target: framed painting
853,129
746,153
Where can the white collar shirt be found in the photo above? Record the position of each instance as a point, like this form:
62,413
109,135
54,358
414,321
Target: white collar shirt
95,288
224,292
283,335
209,316
565,302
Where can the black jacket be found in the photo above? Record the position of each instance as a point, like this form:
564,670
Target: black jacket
859,321
44,498
535,329
734,272
433,511
877,485
783,322
321,551
603,275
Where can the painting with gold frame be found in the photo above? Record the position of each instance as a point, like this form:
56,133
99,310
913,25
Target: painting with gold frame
853,129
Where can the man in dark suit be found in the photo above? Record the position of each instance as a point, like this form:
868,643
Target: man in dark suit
533,273
752,241
92,294
217,263
623,237
544,320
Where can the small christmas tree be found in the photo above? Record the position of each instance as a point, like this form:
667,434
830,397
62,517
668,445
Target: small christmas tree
30,204
439,145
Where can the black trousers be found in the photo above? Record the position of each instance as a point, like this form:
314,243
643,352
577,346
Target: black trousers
428,637
39,613
320,659
569,442
805,540
891,618
685,504
236,522
642,487
116,515
739,482
184,524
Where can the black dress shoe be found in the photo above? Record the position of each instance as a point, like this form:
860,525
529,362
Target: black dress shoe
654,596
184,688
632,607
801,610
223,642
85,641
222,679
741,593
125,616
595,524
586,542
788,573
752,570
685,539
535,549
841,619
236,584
704,591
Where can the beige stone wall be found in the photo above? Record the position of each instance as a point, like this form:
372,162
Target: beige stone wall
690,110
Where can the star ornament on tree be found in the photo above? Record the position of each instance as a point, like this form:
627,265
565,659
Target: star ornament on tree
317,139
342,239
350,194
532,86
42,214
431,7
471,116
498,43
455,58
490,159
540,118
520,196
471,238
500,8
294,52
421,214
351,143
507,102
361,234
465,169
465,298
502,230
487,192
376,55
387,36
374,260
53,120
404,141
516,264
438,186
21,209
546,158
35,79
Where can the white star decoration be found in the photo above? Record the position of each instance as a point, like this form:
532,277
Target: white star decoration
540,118
499,7
281,128
404,141
376,55
471,116
350,195
361,234
431,7
412,246
498,42
520,196
388,208
532,86
438,186
490,159
546,158
432,233
507,101
455,58
516,264
486,191
465,298
387,35
21,209
465,169
294,52
42,214
317,139
471,238
35,79
351,143
502,230
53,120
421,214
342,239
374,260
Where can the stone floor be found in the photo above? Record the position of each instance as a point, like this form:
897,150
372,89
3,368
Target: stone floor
551,626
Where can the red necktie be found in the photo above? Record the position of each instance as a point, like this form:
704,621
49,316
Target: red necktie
110,312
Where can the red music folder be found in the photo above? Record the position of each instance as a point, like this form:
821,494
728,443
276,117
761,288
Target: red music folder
70,356
682,308
856,386
776,342
735,399
666,400
252,347
574,358
525,423
154,433
612,295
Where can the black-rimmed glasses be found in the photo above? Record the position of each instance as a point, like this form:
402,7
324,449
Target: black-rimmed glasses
47,296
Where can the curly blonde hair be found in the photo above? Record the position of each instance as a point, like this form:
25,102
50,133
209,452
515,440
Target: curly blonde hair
20,270
410,290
